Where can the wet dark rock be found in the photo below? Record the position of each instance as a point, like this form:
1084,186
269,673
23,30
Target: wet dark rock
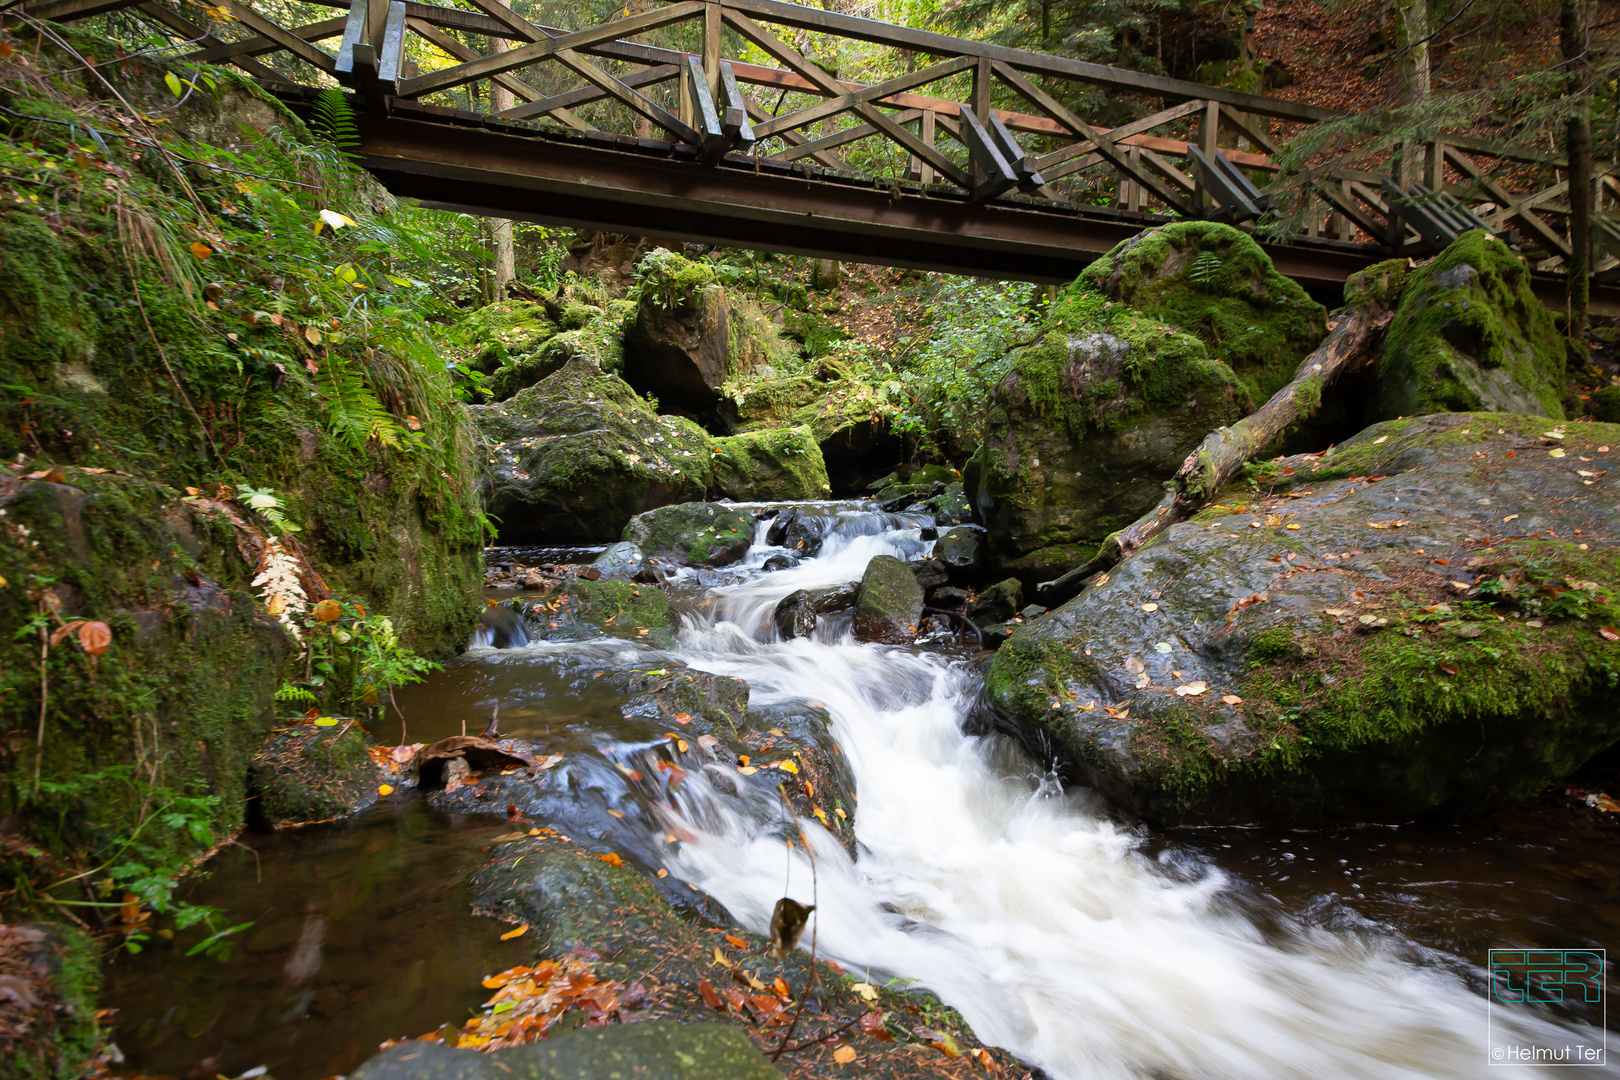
779,562
306,773
1032,611
797,531
928,532
693,534
676,348
795,615
948,596
1302,662
996,634
889,604
962,551
655,1050
580,609
930,573
998,603
623,561
951,507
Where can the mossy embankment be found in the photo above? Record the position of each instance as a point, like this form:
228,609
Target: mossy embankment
208,352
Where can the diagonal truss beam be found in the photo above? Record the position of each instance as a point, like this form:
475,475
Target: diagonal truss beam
872,93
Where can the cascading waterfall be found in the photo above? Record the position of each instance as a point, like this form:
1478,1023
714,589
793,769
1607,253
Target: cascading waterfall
1029,910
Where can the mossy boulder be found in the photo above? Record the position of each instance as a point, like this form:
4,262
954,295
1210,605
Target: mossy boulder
1214,282
596,339
1092,419
770,465
52,983
676,347
773,402
1344,648
693,534
581,609
307,773
1606,405
577,455
501,333
1471,336
654,1050
889,605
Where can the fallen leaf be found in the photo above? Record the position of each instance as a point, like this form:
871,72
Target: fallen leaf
1232,699
385,789
720,958
64,631
612,858
1134,666
1609,633
519,932
95,637
736,941
1559,452
1449,669
1336,612
844,1055
873,1025
201,250
747,770
1150,607
327,611
710,998
1380,439
787,766
865,990
1192,689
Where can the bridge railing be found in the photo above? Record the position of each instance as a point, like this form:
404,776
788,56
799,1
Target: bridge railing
736,84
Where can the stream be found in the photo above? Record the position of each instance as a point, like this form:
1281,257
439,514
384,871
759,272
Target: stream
1088,947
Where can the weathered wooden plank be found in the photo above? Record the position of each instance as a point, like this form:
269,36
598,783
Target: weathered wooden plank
839,138
518,87
1105,145
195,34
538,104
637,101
354,33
995,177
235,52
393,46
524,55
734,118
1544,233
791,57
706,117
864,94
794,138
68,10
903,37
300,48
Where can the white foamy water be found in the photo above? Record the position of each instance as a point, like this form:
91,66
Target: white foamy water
1029,910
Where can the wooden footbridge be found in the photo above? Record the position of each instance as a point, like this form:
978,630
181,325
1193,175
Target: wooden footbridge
715,121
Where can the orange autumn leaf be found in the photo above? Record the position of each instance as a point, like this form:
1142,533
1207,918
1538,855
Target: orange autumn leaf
1610,633
201,250
873,1025
95,637
780,985
844,1055
710,998
736,942
327,611
612,859
519,932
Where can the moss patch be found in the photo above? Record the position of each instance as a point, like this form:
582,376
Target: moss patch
777,464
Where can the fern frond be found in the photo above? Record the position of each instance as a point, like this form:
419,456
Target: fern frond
333,119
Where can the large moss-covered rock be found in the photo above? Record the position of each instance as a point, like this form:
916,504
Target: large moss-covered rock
1470,335
588,333
770,465
653,1050
501,333
889,605
693,534
1214,282
1094,416
1348,649
306,774
677,345
578,454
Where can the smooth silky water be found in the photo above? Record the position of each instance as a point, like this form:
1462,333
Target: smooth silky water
1087,947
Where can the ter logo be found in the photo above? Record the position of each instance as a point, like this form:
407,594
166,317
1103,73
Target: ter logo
1547,975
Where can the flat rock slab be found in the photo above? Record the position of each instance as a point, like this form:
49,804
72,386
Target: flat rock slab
655,1050
1411,622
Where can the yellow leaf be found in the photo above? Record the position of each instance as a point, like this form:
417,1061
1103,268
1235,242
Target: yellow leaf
385,789
519,932
844,1055
787,766
866,990
312,335
720,958
326,721
822,815
747,770
201,250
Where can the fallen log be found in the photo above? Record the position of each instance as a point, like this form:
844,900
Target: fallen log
1352,342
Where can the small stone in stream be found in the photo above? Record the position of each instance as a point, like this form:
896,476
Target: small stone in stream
962,550
779,562
928,532
776,535
1032,611
795,615
996,634
998,602
589,573
947,596
930,573
796,531
935,626
622,561
533,580
889,605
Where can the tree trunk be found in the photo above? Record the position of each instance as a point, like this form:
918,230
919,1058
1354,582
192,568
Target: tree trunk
1414,15
1575,37
1354,342
504,270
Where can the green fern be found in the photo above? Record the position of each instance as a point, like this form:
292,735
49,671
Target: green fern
1204,268
333,120
353,412
300,694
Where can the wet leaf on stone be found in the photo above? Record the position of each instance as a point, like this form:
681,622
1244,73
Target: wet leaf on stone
519,932
710,998
844,1055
